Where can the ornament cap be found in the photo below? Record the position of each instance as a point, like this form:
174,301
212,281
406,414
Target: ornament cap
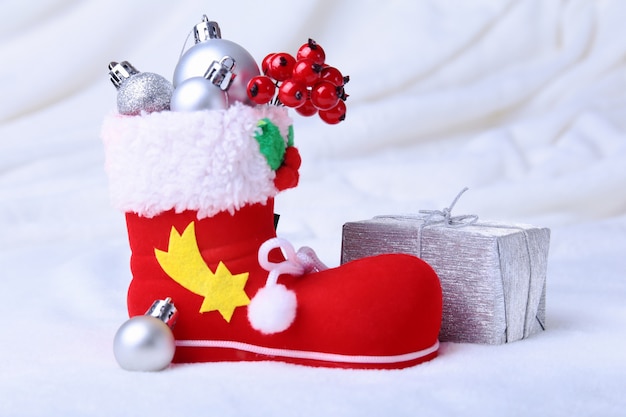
221,73
165,311
120,72
206,30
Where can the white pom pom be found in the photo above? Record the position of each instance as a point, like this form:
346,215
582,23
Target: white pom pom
273,309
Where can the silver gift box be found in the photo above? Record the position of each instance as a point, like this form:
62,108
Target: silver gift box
493,275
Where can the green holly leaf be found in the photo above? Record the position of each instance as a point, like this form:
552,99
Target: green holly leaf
271,143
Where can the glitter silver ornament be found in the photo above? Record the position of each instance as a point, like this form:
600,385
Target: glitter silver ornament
207,92
146,343
210,47
139,91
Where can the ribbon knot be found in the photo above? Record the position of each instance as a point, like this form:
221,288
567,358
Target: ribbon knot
445,216
297,263
441,217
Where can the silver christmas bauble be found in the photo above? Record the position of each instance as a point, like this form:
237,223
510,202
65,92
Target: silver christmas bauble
144,91
199,57
139,91
198,93
144,343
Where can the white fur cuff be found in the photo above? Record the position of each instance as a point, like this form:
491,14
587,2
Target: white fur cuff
207,161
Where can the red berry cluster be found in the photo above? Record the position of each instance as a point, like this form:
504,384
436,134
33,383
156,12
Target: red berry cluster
305,83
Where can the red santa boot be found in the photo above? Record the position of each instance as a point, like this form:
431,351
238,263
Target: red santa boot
197,189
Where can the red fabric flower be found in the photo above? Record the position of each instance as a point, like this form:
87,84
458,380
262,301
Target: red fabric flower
287,175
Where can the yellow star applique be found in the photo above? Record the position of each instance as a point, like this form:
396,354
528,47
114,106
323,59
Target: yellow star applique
222,291
225,292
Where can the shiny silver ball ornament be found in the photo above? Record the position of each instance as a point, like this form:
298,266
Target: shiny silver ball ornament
146,343
207,92
210,47
196,94
139,91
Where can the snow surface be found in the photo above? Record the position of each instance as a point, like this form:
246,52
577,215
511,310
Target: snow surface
521,101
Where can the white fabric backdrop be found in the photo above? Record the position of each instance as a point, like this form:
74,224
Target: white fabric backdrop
521,101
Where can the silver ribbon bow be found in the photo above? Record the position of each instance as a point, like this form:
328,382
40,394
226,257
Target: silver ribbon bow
445,216
442,217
